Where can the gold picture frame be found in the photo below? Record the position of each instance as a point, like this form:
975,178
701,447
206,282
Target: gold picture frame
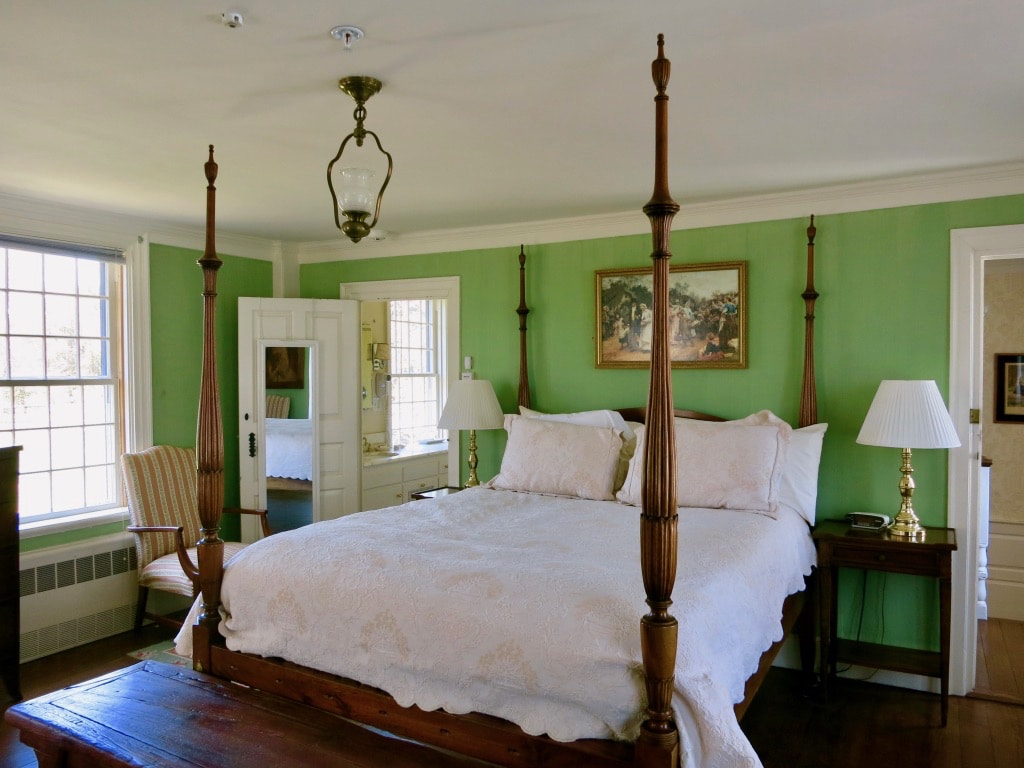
707,318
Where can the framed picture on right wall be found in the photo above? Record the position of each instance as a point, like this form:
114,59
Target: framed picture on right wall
1010,388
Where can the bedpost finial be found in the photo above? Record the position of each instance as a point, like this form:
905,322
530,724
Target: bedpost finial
211,168
811,231
661,68
522,256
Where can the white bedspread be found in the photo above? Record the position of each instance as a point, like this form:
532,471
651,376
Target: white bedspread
290,448
522,606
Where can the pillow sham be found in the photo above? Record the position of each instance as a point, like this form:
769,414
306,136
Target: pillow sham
799,488
559,458
721,465
598,418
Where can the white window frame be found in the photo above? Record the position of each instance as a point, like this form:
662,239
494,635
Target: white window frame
436,346
136,392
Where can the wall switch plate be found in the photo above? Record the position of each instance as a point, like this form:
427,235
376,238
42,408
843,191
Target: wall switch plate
467,362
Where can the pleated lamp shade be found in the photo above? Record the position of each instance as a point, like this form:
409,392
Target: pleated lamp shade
471,404
908,414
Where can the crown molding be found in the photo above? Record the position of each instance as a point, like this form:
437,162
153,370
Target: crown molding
966,184
33,217
40,218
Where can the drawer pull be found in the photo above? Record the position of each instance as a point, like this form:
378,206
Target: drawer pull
881,558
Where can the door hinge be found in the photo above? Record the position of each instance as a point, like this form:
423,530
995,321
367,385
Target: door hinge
975,416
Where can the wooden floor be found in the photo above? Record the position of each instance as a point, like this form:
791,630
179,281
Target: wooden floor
862,724
1000,661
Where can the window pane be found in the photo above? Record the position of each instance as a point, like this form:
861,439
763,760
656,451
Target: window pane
100,445
67,448
33,493
98,404
59,273
94,358
61,316
91,280
65,406
31,407
25,270
6,408
62,359
100,485
35,454
27,361
68,490
25,312
92,317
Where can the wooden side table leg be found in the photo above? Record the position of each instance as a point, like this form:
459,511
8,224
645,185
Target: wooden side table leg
826,597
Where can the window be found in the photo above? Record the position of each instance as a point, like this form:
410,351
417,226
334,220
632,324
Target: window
60,374
415,377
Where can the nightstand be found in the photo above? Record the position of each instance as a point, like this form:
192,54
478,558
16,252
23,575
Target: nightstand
434,493
840,546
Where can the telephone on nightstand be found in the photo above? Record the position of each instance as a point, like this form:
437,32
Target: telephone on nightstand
868,521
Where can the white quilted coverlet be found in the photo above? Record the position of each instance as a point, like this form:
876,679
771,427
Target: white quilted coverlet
523,606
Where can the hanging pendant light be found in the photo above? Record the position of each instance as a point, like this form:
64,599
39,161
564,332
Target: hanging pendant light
354,199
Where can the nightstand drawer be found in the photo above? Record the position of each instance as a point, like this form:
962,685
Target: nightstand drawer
906,561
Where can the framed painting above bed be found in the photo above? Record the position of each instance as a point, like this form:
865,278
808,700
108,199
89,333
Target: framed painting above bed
707,316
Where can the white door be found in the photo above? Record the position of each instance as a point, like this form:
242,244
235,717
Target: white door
328,331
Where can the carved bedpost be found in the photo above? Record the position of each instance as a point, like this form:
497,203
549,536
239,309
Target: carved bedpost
209,441
523,311
658,744
808,390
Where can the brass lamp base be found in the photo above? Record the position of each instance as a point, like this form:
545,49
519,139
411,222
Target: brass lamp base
906,524
473,479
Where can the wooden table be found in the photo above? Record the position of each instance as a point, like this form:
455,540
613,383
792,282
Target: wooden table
841,546
159,715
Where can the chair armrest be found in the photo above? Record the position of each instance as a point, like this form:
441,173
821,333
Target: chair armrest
261,513
180,549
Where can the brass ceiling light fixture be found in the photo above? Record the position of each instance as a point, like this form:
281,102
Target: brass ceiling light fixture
354,199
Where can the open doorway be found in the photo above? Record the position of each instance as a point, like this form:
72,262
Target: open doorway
429,307
997,252
1000,665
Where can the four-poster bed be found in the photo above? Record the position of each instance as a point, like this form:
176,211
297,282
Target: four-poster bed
652,473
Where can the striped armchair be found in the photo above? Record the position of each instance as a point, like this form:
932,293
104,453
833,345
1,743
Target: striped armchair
160,486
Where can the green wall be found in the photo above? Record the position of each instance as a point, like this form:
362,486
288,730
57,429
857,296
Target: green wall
883,277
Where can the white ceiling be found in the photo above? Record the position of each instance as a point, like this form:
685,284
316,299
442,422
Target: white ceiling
496,113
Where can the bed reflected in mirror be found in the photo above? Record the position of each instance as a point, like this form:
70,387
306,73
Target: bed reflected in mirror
289,437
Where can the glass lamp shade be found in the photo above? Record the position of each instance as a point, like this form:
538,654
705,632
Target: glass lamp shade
471,404
355,193
908,414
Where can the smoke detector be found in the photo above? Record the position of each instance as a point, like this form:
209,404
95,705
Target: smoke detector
347,34
232,19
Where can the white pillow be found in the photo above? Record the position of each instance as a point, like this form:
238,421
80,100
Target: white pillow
599,418
559,458
799,489
724,465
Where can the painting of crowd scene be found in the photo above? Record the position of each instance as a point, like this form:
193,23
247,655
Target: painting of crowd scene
707,316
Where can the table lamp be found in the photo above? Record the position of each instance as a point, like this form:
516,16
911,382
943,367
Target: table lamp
907,415
471,405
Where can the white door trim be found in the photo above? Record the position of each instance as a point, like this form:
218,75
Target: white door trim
969,250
